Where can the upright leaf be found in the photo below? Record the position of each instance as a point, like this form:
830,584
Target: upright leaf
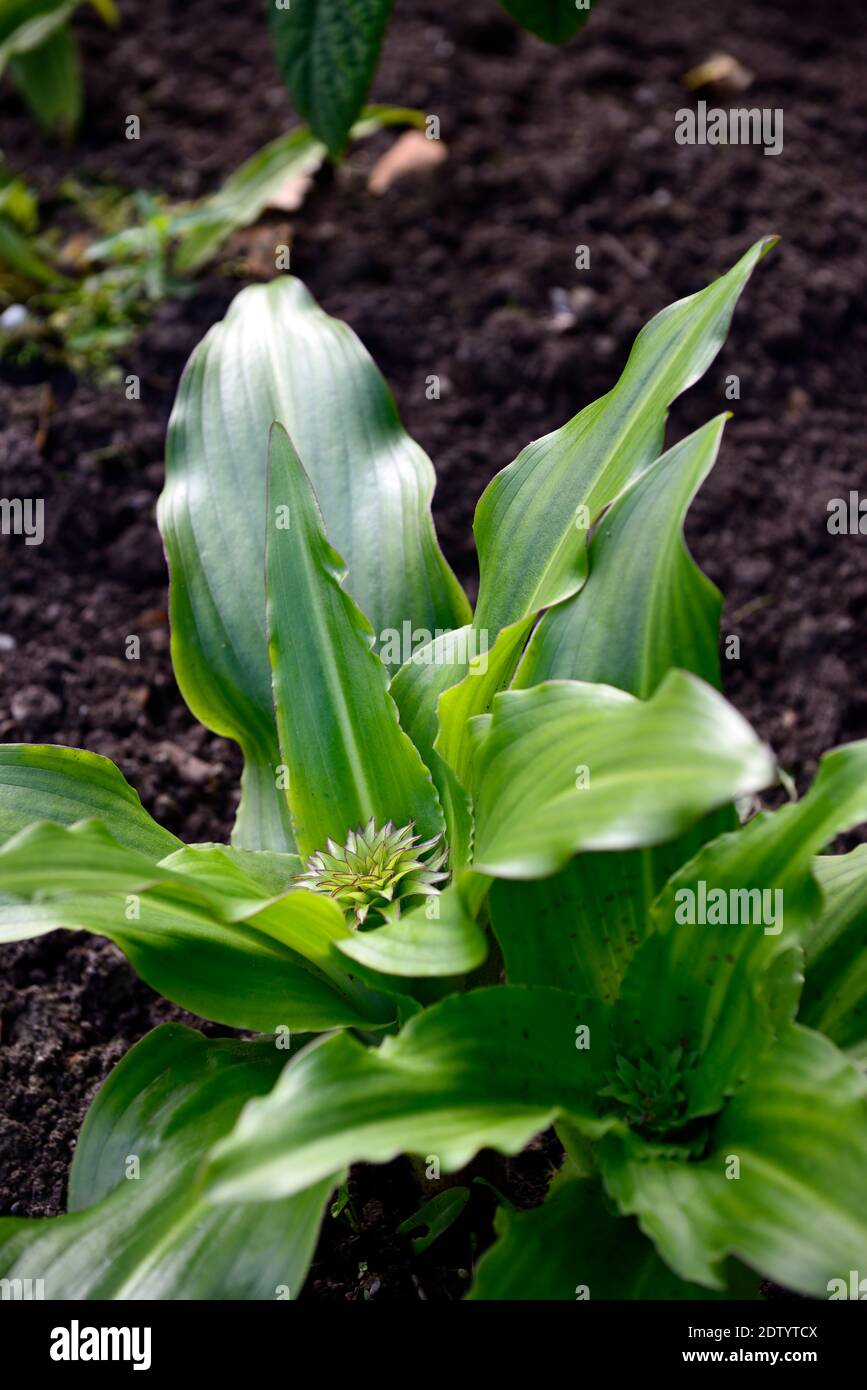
152,1234
347,756
555,21
49,78
327,51
415,688
278,356
646,605
531,522
835,974
645,608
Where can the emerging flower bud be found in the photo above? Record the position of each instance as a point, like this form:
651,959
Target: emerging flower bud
376,870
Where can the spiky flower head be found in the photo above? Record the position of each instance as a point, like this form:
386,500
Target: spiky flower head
376,869
652,1088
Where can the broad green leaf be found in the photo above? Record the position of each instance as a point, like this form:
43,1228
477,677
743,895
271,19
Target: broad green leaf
835,975
327,51
151,1234
232,973
201,932
271,870
555,21
278,356
485,1069
733,971
794,1206
348,758
420,944
646,606
574,1246
568,767
46,782
46,859
49,79
530,527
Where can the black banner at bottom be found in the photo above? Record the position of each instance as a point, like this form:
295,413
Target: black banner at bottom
221,1340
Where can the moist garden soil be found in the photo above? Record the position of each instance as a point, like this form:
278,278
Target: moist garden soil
466,272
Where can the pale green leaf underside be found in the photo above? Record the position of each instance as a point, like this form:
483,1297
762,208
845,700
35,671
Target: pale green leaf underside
421,944
204,226
277,356
347,757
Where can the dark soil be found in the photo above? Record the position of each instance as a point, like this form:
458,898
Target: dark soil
457,273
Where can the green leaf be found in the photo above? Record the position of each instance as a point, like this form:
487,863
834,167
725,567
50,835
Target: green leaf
26,24
644,609
437,1215
45,782
327,51
733,984
415,688
181,928
347,756
204,226
422,945
797,1212
555,21
49,79
567,767
531,555
646,605
575,1246
488,672
155,1236
16,252
278,356
486,1069
835,985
